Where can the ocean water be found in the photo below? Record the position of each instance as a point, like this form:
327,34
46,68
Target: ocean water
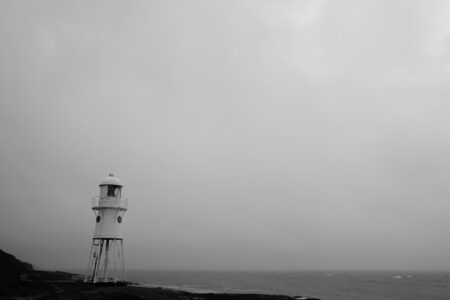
324,285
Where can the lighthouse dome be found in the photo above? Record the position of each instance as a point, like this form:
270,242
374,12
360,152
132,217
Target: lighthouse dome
111,180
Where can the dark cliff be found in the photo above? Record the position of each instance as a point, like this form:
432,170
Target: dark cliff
10,264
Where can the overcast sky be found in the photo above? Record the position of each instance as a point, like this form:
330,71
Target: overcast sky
247,134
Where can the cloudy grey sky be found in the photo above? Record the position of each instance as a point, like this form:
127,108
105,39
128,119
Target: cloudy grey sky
247,134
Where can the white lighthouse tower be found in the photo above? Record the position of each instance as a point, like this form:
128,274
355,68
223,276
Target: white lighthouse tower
106,262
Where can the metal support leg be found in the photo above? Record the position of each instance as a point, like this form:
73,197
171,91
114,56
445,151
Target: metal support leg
95,260
88,269
99,258
105,270
123,262
115,257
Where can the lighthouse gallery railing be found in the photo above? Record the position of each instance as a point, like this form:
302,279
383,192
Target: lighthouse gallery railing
102,202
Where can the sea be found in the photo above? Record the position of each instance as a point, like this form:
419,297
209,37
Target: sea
323,285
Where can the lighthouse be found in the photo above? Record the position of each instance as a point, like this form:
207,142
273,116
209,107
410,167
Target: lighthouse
106,261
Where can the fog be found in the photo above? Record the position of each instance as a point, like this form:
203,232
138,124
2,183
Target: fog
248,135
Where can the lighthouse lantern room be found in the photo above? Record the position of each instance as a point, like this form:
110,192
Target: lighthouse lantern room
106,261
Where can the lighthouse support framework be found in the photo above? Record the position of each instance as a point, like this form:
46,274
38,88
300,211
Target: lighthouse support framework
101,256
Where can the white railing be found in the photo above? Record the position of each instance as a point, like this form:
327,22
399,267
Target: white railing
99,202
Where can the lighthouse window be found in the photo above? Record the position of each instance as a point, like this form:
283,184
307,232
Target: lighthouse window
98,219
111,191
119,219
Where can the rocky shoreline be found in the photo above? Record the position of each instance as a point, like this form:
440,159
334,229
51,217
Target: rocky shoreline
59,285
18,280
